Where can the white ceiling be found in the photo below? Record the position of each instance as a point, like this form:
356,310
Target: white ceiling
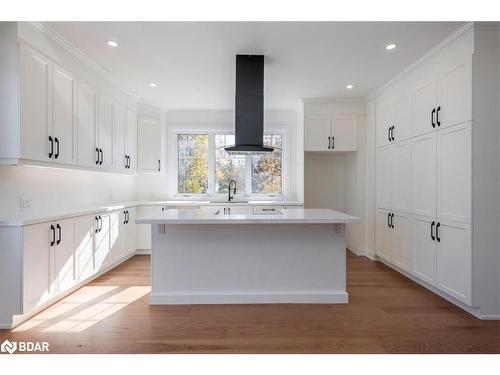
193,62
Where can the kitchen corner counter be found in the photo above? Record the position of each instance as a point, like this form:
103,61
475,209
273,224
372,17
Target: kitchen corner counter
290,216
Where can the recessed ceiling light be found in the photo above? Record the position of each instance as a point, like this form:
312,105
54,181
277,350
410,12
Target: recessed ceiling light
112,43
152,84
348,87
390,46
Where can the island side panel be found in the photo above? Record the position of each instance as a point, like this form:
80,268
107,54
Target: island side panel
248,263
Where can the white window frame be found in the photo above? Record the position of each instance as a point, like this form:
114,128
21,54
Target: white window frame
211,132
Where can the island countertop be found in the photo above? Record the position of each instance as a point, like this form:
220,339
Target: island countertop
287,216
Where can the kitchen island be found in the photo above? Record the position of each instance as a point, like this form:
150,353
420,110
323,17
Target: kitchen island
288,256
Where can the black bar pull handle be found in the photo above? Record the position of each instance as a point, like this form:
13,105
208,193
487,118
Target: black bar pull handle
389,133
329,143
59,234
96,224
124,217
438,237
128,217
97,158
333,143
432,230
56,155
437,116
389,220
392,133
100,225
432,117
159,165
53,232
102,156
392,221
51,152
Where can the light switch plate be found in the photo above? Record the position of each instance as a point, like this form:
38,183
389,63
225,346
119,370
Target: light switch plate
26,204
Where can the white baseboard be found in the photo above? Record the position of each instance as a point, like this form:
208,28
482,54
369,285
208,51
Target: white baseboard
490,317
143,252
194,298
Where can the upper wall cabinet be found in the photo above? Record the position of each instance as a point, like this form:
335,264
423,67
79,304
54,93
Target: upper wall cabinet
331,133
48,110
149,145
67,122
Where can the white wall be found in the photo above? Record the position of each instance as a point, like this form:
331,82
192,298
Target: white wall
162,186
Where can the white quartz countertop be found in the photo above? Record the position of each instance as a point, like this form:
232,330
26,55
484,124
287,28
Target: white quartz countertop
33,217
290,216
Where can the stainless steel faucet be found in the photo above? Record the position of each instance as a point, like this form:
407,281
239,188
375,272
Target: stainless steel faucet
231,197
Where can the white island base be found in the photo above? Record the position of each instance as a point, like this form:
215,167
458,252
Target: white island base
248,263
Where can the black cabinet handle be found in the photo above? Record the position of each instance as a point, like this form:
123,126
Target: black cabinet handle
56,155
392,133
59,234
432,117
53,232
432,230
389,133
128,161
96,224
51,152
333,143
437,116
128,217
102,156
438,237
392,221
159,165
100,220
97,158
389,220
329,143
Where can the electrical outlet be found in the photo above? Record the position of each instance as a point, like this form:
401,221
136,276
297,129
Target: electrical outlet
26,204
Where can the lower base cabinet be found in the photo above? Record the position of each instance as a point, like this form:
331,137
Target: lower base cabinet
393,238
424,249
84,254
64,255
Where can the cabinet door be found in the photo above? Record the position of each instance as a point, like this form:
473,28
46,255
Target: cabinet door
317,130
149,134
454,173
102,246
64,116
36,104
401,241
383,240
454,260
423,172
130,232
401,190
116,236
454,83
345,133
384,177
119,119
131,140
87,100
384,115
37,265
402,119
424,100
105,133
64,255
424,249
84,254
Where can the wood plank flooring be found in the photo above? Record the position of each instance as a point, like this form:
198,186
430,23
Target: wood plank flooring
387,313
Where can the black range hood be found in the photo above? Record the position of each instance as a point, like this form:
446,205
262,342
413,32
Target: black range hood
249,118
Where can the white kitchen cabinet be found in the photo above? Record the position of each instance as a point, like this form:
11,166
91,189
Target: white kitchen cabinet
424,100
105,131
423,175
119,120
35,72
131,140
454,259
64,116
384,114
102,242
454,173
401,176
87,127
64,255
384,176
149,145
129,231
401,130
317,133
401,241
331,133
116,235
383,238
84,253
38,242
424,249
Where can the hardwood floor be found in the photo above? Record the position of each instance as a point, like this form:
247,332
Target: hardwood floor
387,313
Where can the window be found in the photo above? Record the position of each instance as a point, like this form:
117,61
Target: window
204,166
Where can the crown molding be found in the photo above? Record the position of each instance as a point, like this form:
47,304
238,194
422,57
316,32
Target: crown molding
457,34
82,56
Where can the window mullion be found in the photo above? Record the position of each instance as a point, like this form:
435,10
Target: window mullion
211,163
248,174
